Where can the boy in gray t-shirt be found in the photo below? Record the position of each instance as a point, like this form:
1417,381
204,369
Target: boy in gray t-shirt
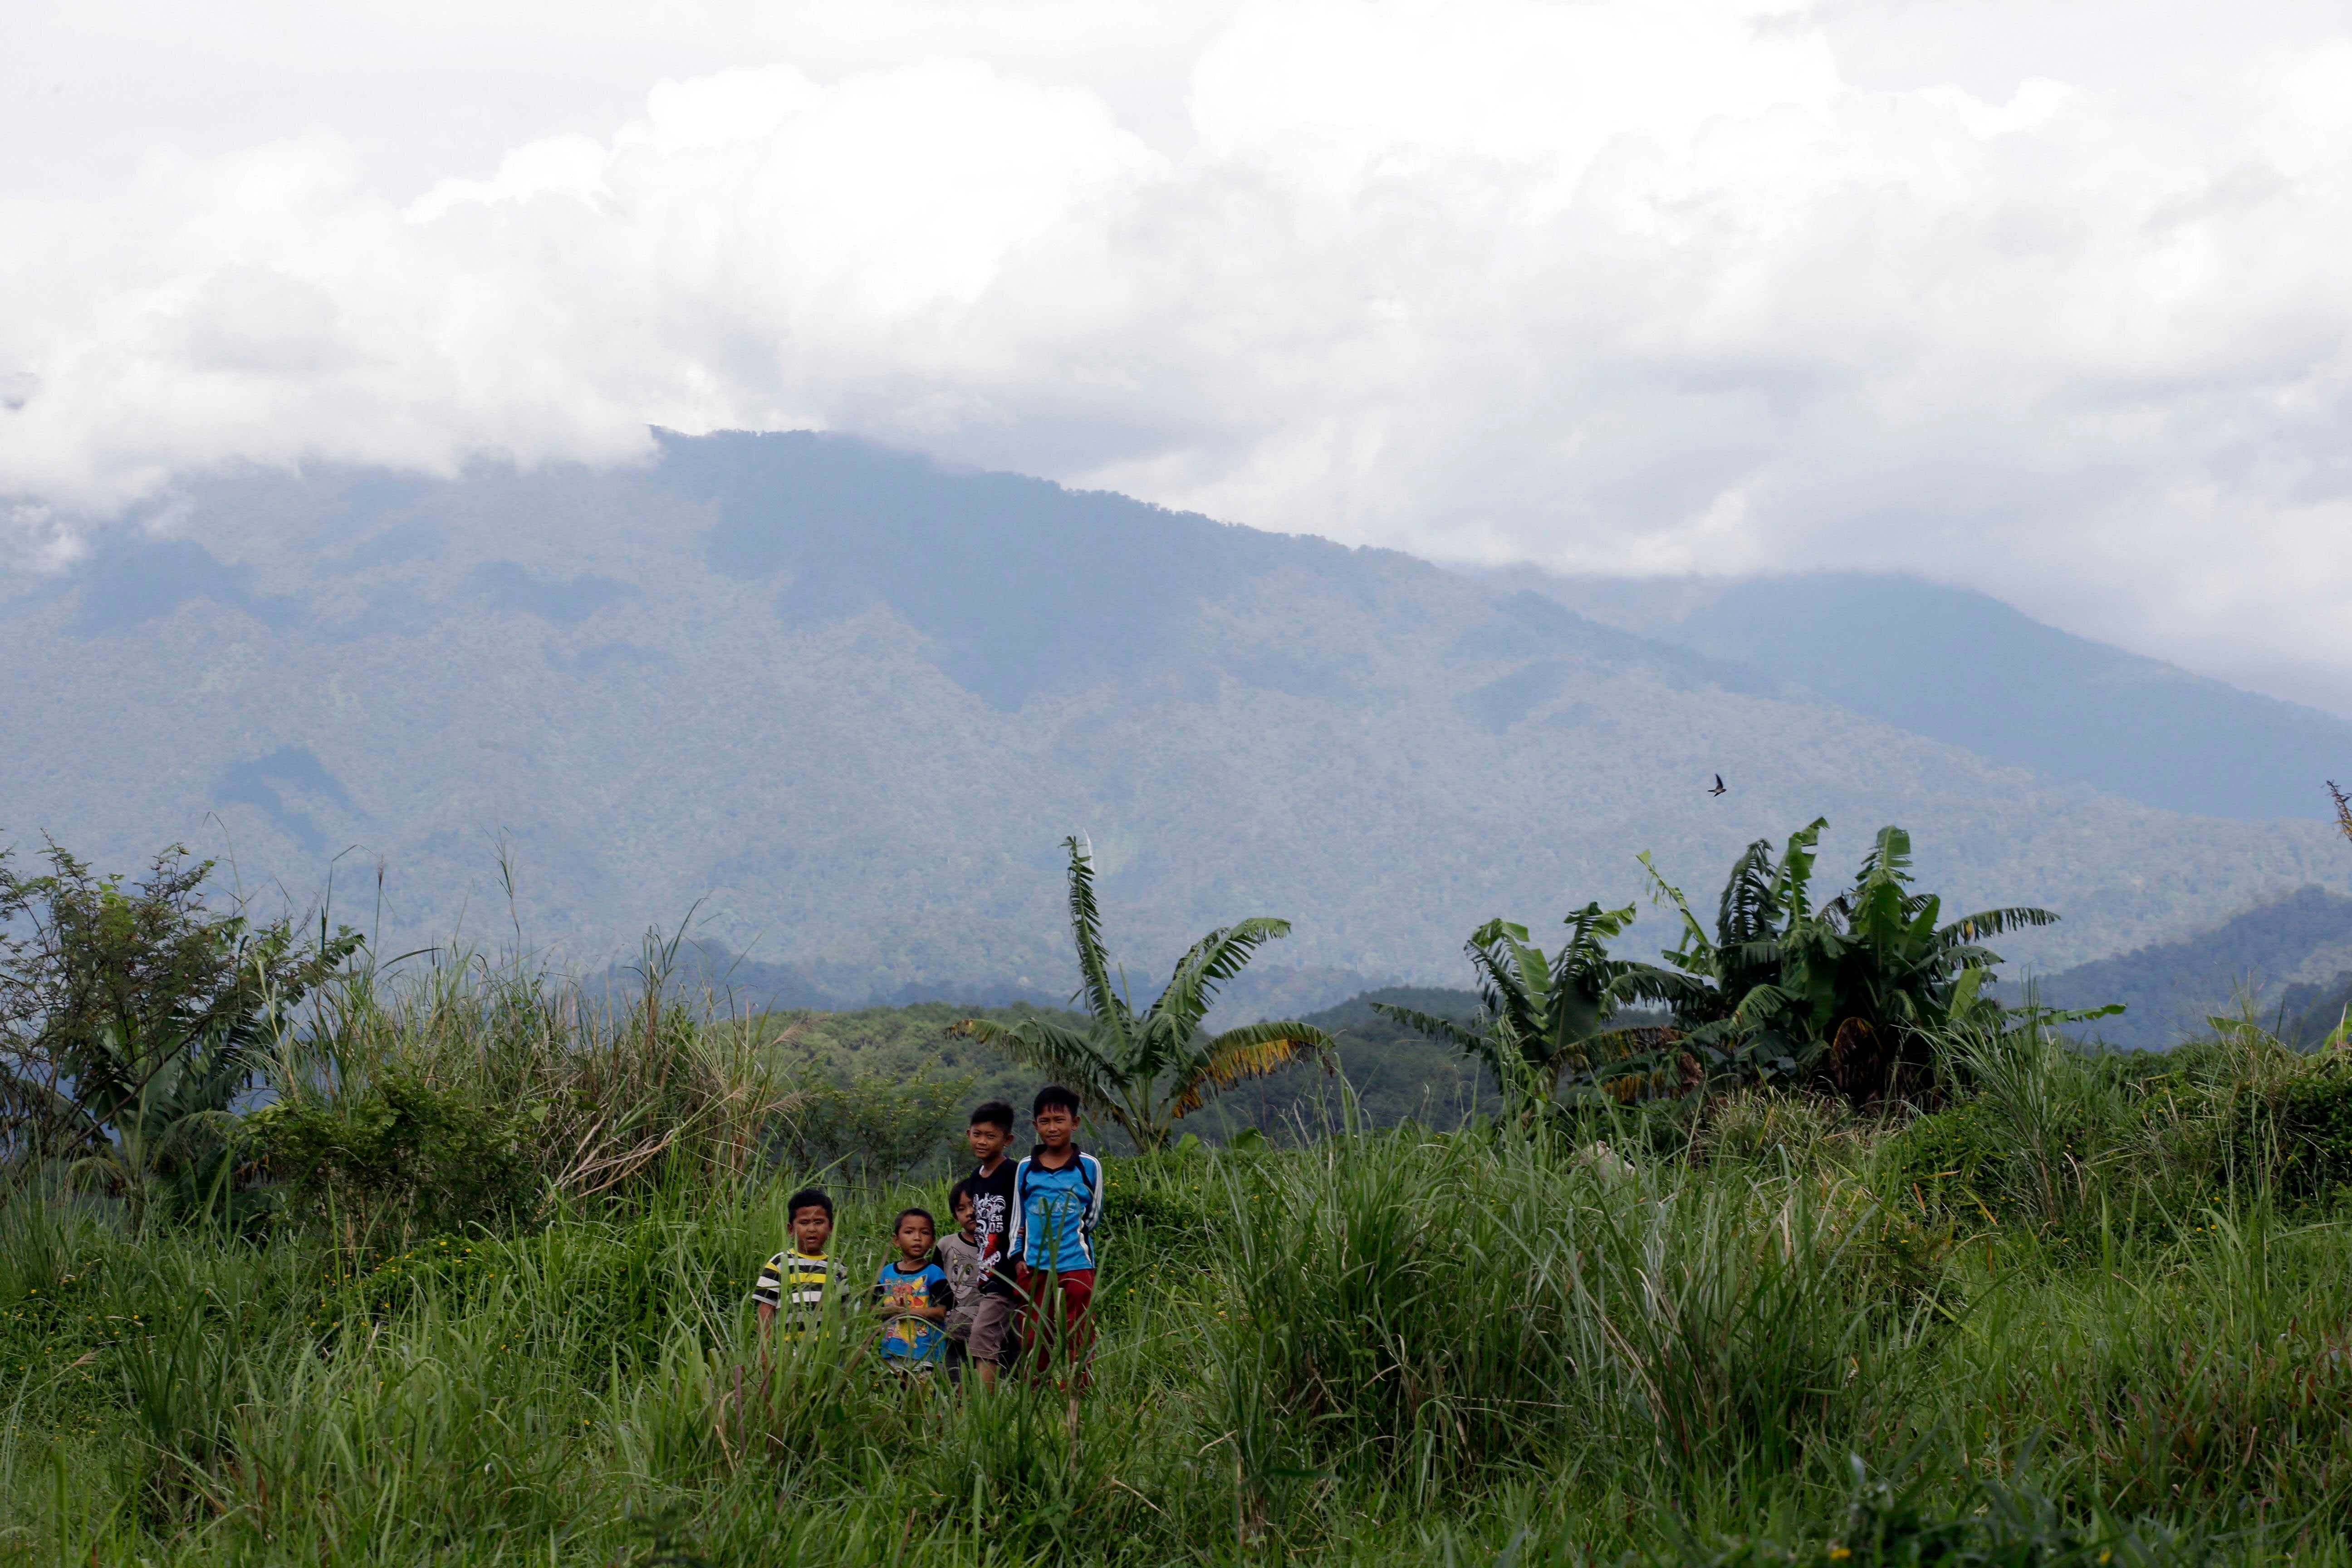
959,1256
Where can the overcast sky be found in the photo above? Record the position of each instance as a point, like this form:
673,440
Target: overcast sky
2046,297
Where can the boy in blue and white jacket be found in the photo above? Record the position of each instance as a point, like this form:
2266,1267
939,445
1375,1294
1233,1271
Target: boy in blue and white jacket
1058,1201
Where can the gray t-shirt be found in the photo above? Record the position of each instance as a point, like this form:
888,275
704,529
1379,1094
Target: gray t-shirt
959,1261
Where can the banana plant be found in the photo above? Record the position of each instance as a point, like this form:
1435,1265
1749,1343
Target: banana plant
1542,1019
1731,1002
1145,1071
1851,989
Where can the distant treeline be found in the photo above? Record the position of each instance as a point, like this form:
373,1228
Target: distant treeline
1394,1075
2289,961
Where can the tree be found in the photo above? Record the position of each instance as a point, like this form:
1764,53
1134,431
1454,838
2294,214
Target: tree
1543,1020
1852,991
132,1017
1146,1071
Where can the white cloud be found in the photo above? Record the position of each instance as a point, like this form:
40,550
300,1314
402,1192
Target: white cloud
1670,285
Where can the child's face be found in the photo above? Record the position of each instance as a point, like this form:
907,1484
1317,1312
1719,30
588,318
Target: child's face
988,1141
914,1236
1054,1125
963,1213
812,1228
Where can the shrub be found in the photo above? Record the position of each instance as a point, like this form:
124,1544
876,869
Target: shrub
132,1017
2045,1128
2011,1527
1952,1156
405,1152
1753,1123
625,1098
871,1128
2294,1133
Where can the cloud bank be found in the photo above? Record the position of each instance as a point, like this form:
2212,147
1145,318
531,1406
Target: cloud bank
1665,287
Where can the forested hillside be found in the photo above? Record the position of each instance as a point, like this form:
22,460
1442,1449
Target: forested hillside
2283,960
843,704
1963,668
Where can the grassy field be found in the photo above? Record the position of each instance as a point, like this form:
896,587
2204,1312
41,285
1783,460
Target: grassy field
2094,1311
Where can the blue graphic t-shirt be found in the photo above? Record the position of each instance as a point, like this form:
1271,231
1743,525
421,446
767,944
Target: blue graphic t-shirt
1055,1213
914,1339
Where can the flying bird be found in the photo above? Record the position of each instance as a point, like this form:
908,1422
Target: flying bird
1718,786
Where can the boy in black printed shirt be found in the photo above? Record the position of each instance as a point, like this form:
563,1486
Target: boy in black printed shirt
991,1341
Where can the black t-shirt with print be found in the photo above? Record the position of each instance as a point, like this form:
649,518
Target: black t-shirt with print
992,1216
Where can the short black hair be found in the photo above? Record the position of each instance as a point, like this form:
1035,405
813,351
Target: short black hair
995,1113
923,1215
807,1198
962,1192
1055,1094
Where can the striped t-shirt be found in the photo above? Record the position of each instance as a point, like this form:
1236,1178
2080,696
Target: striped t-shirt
796,1285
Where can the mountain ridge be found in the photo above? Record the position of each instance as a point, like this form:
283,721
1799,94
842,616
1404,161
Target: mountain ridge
1961,667
846,704
2273,962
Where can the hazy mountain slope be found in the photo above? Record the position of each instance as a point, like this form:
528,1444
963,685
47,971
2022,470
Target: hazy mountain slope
2310,1012
2282,953
850,703
1966,669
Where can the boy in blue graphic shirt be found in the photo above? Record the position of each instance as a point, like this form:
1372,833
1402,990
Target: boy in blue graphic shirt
1058,1201
912,1293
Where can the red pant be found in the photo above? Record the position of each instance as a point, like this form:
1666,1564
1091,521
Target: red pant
1048,1334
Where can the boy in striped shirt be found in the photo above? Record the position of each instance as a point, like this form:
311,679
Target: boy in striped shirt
797,1281
1058,1201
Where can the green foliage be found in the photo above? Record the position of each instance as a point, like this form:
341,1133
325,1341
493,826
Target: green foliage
1768,1126
426,1159
2204,1378
607,1102
1385,1072
133,1017
872,1128
884,1044
1951,1155
2292,1132
1388,1349
1146,1071
1433,1313
2061,1318
2010,1527
2317,1016
1855,989
1540,1020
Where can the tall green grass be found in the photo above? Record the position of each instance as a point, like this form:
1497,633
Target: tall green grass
2076,1312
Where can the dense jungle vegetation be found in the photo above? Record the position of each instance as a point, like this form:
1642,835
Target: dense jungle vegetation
1794,1247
